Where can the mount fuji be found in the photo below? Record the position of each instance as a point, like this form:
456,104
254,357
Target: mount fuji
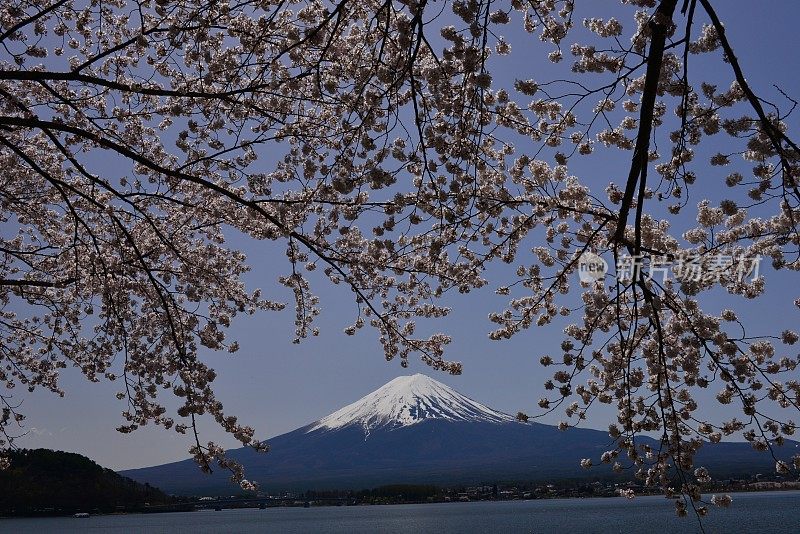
415,429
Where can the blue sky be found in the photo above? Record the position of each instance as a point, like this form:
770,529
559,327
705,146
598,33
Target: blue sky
276,386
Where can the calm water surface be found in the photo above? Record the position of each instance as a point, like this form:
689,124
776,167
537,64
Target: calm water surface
774,512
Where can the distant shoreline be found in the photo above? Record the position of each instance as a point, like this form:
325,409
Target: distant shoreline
234,504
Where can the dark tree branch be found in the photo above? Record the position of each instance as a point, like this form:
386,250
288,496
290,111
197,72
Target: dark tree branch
659,27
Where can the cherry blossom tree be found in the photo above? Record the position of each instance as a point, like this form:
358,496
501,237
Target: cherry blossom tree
379,143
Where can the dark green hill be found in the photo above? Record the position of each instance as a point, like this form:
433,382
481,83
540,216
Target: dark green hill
43,481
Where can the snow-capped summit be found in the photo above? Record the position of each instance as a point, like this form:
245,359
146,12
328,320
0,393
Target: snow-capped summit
406,401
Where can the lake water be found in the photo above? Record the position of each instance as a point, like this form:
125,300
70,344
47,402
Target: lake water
773,512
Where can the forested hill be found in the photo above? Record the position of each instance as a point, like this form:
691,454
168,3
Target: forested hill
43,481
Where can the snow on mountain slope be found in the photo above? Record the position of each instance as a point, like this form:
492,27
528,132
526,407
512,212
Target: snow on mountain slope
408,400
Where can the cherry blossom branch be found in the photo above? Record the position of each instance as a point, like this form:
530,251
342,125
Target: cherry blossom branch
659,27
